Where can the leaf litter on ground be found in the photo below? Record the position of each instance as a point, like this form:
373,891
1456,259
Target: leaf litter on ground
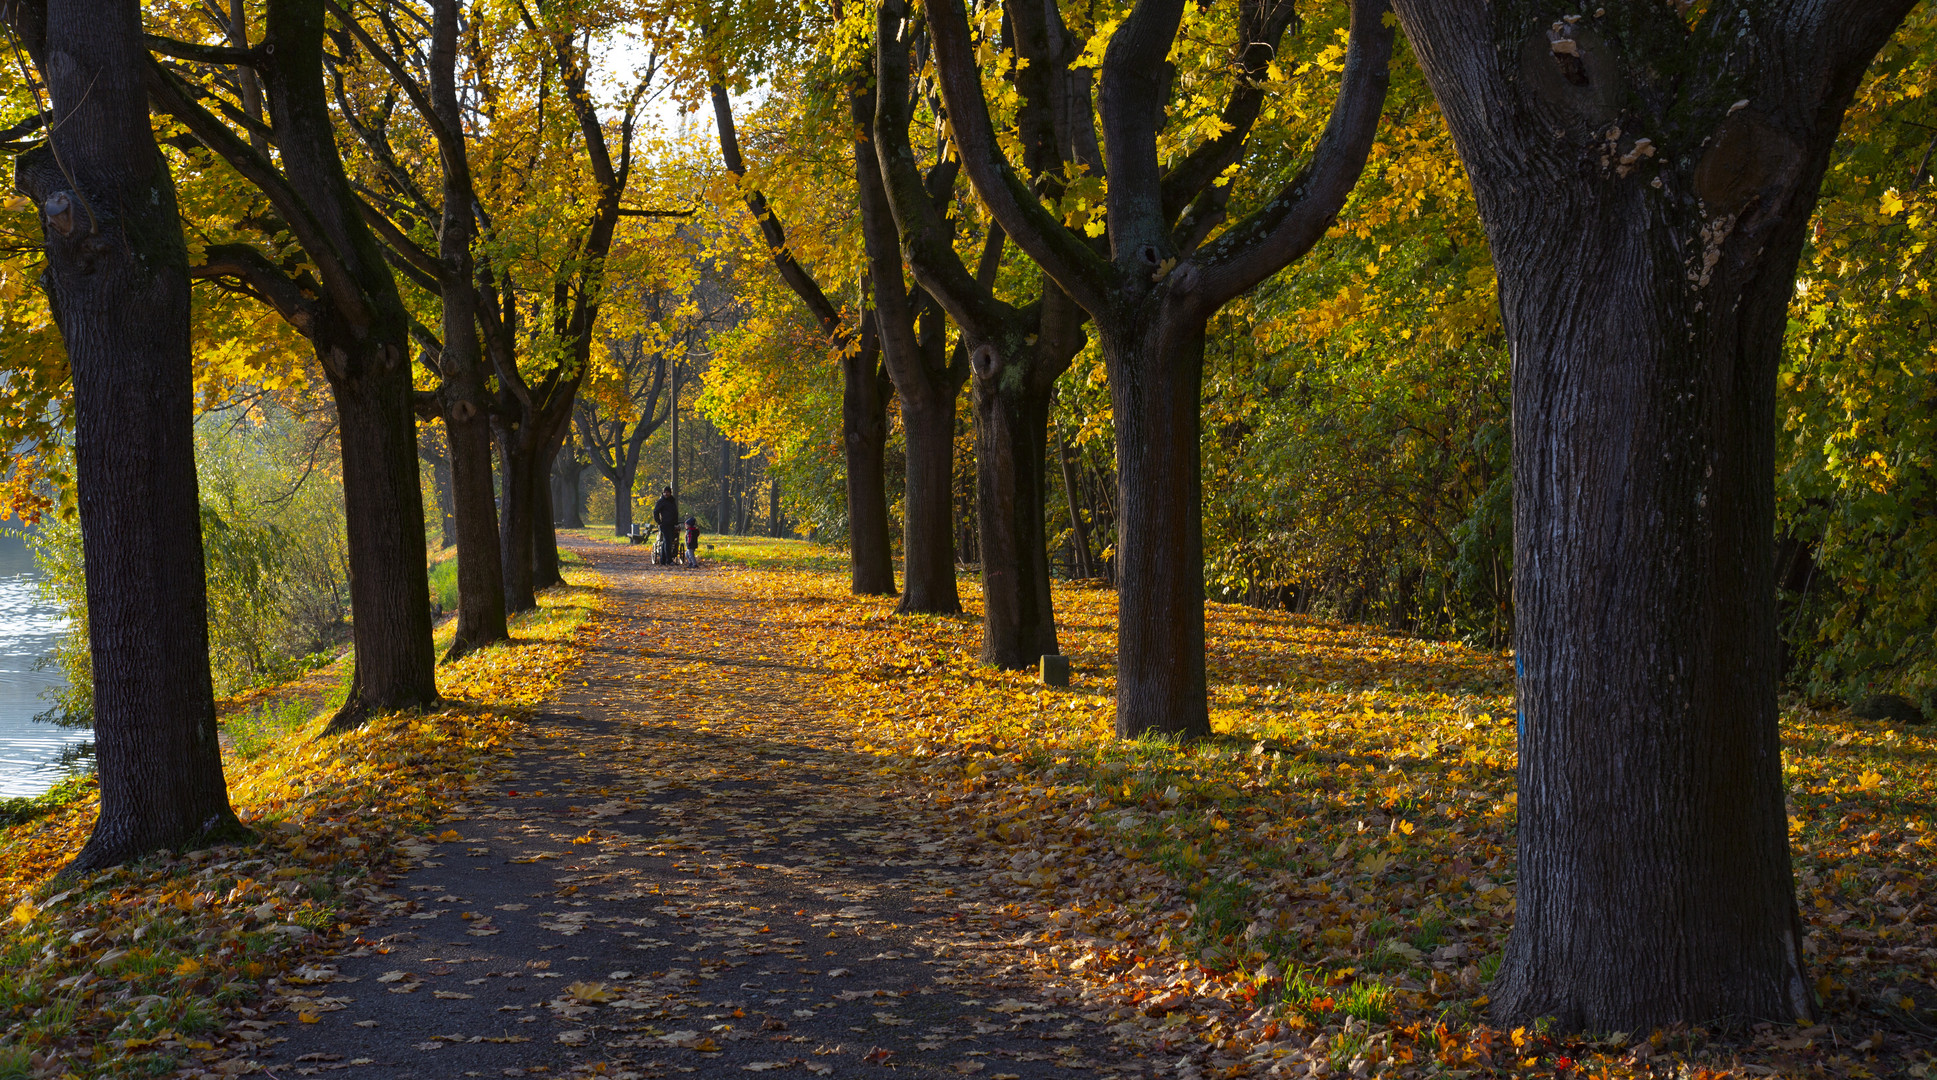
185,963
1326,886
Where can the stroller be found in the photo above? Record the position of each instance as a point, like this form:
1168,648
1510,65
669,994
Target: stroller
666,552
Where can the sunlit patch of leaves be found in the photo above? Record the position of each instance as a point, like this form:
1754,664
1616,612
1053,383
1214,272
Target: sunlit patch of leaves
188,960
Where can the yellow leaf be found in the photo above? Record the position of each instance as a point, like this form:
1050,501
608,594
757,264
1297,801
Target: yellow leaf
448,835
307,1017
1891,204
24,912
589,991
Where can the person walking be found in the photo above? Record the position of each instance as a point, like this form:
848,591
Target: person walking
665,514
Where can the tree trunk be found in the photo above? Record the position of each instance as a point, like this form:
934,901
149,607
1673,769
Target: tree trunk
622,481
928,508
389,586
361,341
568,491
518,487
864,430
722,521
773,508
1654,864
544,535
439,456
480,574
1644,283
1011,433
117,281
1078,528
1155,371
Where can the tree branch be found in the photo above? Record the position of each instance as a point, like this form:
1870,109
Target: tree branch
172,98
1287,226
202,54
1062,254
791,272
1261,27
248,265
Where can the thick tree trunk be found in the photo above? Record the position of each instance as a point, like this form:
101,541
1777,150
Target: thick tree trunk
1156,367
1011,433
864,430
1654,869
117,281
519,485
928,508
480,575
773,509
389,587
1646,228
544,553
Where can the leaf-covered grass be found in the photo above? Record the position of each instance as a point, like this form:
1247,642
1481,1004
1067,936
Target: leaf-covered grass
1332,877
187,960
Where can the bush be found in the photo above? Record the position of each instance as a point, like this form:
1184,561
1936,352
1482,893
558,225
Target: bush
273,549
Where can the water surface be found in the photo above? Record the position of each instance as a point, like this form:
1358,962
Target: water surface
29,630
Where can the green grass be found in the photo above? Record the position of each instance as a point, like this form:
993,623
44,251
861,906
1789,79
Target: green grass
443,583
22,809
262,727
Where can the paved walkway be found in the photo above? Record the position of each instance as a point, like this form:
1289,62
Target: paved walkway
685,872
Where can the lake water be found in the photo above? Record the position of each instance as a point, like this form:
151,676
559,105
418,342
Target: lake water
29,751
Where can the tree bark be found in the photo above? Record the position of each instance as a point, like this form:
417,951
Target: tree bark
361,341
622,500
1646,186
1011,434
1156,368
463,396
1157,288
1079,528
117,282
864,435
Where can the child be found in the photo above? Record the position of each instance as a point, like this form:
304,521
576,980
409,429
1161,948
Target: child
692,541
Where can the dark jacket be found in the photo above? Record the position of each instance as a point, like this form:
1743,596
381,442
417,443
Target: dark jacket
665,512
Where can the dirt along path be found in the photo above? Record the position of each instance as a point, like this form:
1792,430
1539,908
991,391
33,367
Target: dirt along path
685,875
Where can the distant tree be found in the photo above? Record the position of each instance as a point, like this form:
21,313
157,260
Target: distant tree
613,427
117,281
1647,174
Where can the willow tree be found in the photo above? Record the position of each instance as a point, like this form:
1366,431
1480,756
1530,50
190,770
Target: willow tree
1647,173
1152,292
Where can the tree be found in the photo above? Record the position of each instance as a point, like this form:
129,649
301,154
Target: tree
463,399
1646,174
614,431
1151,297
346,302
865,385
1018,352
927,373
117,281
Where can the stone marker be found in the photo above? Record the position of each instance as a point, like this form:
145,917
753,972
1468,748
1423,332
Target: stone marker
1055,670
